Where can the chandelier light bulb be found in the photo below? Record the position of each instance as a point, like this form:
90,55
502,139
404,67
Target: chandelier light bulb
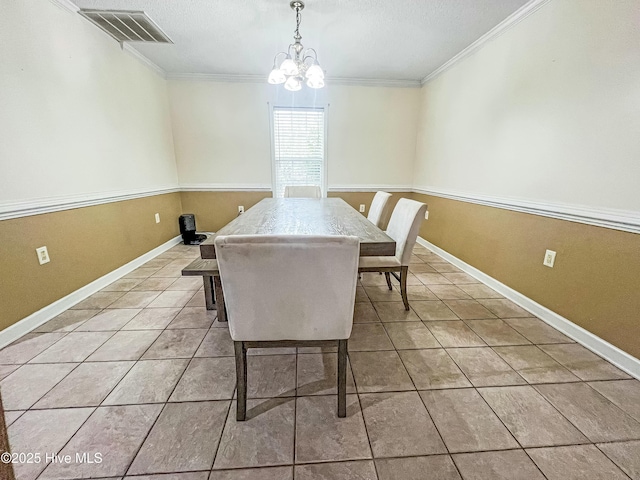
315,71
315,82
293,84
289,67
276,77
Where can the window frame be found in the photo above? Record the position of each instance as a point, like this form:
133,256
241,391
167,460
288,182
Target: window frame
325,167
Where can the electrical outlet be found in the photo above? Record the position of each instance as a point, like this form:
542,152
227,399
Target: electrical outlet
43,255
426,215
157,218
240,209
549,258
362,208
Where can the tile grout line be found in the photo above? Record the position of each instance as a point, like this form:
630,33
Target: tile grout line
429,413
613,461
364,422
115,386
224,426
296,395
166,402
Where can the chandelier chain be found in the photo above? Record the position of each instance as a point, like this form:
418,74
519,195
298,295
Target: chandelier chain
298,21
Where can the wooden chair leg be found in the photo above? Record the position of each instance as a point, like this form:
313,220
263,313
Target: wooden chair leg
208,292
387,275
241,380
404,271
222,312
342,378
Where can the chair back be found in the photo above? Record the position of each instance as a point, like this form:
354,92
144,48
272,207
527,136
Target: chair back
404,225
377,208
288,287
302,191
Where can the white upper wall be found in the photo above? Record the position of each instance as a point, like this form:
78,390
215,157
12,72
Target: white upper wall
549,111
222,133
78,115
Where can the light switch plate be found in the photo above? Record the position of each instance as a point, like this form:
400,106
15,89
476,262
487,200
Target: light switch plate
549,258
43,255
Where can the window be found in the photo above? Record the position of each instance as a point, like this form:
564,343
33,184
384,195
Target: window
298,148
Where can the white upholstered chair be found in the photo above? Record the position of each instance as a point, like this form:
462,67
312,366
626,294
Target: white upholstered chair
403,227
289,290
378,207
302,191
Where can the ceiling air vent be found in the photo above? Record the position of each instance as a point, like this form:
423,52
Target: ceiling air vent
127,26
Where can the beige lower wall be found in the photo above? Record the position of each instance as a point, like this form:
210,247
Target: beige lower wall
87,243
355,199
84,244
595,282
213,210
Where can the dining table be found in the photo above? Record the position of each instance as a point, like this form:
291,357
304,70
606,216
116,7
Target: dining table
300,216
306,216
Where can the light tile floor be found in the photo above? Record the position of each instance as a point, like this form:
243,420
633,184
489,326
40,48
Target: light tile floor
465,385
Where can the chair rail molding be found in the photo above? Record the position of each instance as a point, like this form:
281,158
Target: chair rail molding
624,220
226,187
613,354
42,205
370,188
260,187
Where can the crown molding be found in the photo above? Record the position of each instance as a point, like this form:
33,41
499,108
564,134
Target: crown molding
55,204
126,47
228,78
624,220
609,352
374,82
495,32
71,7
512,20
218,77
66,5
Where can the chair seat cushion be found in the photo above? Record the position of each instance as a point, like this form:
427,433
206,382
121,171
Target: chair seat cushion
379,262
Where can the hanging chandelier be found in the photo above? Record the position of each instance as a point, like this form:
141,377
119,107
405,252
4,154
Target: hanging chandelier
299,64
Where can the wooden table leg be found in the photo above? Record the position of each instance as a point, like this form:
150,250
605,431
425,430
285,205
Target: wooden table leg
222,313
209,299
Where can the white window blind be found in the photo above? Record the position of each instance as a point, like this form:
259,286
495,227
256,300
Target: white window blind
298,141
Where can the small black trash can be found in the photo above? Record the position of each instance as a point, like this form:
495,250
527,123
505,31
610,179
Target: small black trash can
187,223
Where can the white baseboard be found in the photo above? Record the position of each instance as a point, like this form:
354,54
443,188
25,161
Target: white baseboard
611,353
33,321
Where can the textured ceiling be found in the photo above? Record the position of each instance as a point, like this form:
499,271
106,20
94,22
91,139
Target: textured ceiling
363,39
